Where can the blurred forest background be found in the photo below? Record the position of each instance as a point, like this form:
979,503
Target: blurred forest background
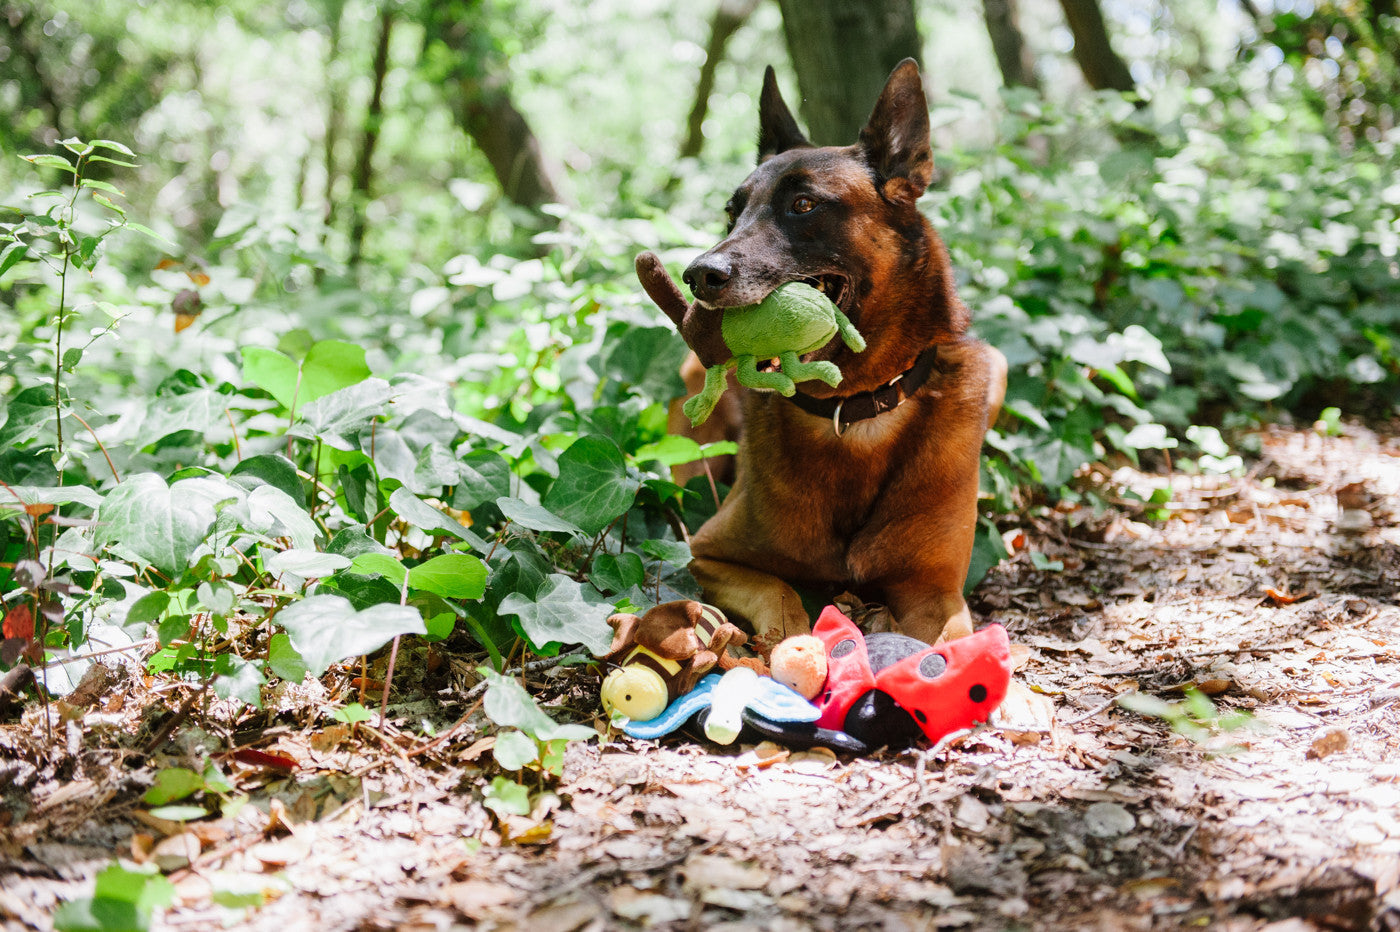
377,255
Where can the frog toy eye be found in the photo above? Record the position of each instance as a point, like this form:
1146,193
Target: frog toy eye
634,691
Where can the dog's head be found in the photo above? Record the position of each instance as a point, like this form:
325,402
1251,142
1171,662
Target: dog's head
843,219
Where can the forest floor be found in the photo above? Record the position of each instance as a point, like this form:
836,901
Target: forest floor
1273,594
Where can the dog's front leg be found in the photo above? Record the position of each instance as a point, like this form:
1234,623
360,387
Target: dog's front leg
725,553
931,617
763,602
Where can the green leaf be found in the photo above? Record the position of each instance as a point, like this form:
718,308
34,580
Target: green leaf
199,411
142,228
675,552
283,659
51,161
380,564
671,450
337,419
593,488
308,564
329,366
427,518
272,469
534,517
30,413
325,629
236,678
18,496
179,813
514,749
506,797
12,255
113,145
276,514
508,704
352,713
559,614
450,575
617,572
159,525
100,186
171,784
483,477
148,609
107,203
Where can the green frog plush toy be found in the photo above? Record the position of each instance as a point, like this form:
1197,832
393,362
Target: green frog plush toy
794,319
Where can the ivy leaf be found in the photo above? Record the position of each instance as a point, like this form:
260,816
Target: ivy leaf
617,572
559,614
276,514
171,784
272,469
198,410
162,525
534,517
506,797
308,564
20,496
325,629
483,476
236,678
593,487
329,366
337,419
514,749
380,564
283,659
427,518
675,552
450,575
508,704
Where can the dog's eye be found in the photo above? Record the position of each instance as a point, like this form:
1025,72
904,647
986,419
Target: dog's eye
803,204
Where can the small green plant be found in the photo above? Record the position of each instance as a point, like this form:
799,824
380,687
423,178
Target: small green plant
1194,717
124,898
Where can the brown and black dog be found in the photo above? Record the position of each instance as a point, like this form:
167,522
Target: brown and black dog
871,486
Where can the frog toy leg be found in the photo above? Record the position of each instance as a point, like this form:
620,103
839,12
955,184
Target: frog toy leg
800,371
849,334
750,377
700,407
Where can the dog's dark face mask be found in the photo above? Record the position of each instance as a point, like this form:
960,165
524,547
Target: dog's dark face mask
842,219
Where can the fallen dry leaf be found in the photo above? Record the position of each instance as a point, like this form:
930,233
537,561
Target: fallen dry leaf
1332,741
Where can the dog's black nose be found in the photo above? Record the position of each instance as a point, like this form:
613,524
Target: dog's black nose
708,275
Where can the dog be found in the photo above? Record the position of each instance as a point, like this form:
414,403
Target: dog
870,486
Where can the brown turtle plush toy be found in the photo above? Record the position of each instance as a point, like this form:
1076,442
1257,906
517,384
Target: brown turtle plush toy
661,655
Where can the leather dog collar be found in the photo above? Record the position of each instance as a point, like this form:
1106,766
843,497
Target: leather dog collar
846,411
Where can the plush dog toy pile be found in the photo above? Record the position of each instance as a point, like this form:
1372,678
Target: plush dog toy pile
836,687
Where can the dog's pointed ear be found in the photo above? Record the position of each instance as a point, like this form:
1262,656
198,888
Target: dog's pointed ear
896,139
777,130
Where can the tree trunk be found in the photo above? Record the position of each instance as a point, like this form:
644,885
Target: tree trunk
374,115
335,114
485,110
729,16
1014,56
1102,68
474,74
843,52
